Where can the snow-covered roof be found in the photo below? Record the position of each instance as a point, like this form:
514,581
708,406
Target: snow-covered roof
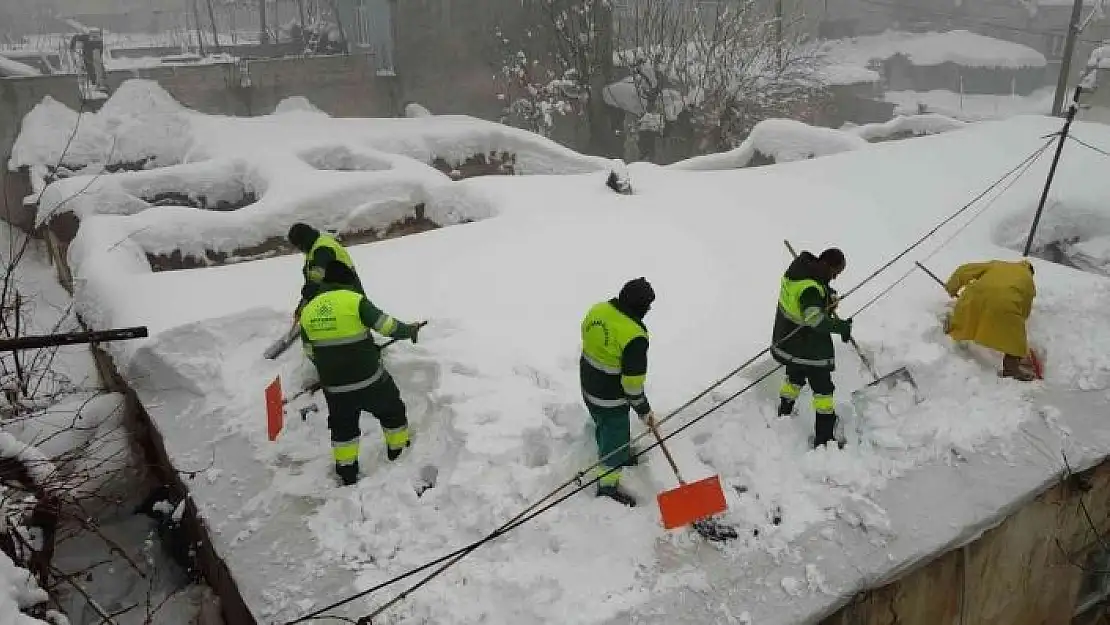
492,386
957,46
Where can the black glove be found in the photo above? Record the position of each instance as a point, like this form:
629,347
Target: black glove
415,330
844,329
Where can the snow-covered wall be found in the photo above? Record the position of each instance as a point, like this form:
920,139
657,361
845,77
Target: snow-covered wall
298,164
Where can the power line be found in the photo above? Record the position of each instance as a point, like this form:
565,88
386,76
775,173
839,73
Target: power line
1089,146
444,562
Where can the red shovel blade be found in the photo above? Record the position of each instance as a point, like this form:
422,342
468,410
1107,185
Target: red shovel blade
690,502
1038,366
275,411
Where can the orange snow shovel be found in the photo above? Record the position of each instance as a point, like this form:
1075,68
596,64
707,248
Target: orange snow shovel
692,503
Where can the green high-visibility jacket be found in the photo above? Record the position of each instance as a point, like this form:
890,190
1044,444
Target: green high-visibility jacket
323,251
613,366
803,309
336,331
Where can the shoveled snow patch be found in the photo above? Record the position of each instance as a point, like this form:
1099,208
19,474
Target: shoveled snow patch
783,140
935,48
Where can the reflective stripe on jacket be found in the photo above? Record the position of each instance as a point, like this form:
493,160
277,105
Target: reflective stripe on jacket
341,345
613,366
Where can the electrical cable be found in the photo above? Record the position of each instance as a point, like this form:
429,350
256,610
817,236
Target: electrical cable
544,504
1088,145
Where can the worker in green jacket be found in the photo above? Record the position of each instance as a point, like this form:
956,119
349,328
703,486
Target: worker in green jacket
802,336
319,250
612,371
336,326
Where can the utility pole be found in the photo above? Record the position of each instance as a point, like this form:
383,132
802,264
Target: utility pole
1072,110
196,25
778,32
1065,63
215,28
264,33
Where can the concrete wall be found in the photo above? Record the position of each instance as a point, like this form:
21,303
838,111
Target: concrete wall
1027,571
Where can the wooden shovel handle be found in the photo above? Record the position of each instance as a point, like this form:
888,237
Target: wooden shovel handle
666,452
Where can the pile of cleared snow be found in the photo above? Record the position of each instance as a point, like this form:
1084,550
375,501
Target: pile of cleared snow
782,140
934,48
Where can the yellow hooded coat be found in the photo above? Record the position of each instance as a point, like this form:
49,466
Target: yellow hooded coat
996,301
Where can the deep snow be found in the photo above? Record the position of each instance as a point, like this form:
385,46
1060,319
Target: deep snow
961,47
492,386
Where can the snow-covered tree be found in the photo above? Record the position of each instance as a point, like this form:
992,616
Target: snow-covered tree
561,66
710,71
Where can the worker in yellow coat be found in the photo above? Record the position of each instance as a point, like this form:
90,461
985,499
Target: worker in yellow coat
995,302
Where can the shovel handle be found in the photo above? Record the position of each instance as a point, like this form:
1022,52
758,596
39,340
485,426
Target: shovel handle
315,386
855,345
931,275
666,452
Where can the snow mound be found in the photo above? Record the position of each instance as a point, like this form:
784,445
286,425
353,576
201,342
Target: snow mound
934,48
292,156
415,109
139,126
19,591
297,104
782,140
1100,58
926,124
140,97
51,134
84,440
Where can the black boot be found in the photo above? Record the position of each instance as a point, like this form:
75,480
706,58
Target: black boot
394,454
617,494
786,407
825,430
348,473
